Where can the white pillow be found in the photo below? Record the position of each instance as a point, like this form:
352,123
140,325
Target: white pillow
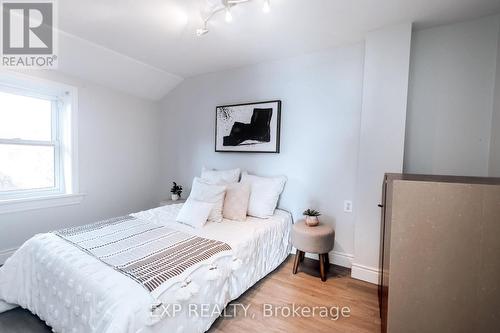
236,201
221,176
264,194
194,213
204,191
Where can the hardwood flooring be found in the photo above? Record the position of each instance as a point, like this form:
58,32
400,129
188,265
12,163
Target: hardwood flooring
280,288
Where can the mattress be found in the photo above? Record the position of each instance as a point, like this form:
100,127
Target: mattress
73,291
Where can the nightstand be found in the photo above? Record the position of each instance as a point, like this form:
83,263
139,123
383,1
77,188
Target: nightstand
167,202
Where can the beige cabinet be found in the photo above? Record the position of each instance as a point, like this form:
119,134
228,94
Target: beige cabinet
440,254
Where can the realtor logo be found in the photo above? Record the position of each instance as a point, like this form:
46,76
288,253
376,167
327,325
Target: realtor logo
28,34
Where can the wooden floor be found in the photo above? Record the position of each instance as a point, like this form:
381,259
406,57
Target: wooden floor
280,288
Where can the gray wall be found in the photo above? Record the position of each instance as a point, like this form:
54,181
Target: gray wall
118,164
320,121
494,170
451,93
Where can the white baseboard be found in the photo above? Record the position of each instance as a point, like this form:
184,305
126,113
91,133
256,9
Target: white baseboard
365,273
5,254
342,259
336,258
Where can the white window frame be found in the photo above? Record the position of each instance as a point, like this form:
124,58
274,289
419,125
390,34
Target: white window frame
64,140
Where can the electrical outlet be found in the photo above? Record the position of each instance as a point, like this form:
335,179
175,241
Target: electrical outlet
348,206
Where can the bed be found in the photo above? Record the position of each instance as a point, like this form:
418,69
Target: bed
73,291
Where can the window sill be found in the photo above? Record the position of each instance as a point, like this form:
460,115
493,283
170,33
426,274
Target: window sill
24,204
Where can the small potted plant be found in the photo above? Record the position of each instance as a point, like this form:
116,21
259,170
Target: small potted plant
176,191
311,217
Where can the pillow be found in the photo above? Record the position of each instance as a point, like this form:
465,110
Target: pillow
221,176
236,201
194,213
204,191
264,194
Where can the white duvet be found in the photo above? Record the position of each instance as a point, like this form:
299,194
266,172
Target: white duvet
75,292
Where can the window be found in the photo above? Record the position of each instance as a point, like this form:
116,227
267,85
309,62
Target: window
37,155
29,145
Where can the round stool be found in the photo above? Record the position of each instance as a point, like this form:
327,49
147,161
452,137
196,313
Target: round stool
318,239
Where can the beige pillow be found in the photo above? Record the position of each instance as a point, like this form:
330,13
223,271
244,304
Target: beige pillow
236,201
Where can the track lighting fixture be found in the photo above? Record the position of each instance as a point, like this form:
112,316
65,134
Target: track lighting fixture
226,6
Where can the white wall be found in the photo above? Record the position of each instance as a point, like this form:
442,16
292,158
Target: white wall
494,163
381,149
320,119
118,164
451,96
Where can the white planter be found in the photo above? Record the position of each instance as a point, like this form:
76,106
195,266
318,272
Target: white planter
312,221
175,197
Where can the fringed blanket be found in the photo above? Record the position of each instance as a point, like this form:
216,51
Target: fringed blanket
148,253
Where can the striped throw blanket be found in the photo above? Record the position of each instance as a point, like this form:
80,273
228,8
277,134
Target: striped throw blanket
148,253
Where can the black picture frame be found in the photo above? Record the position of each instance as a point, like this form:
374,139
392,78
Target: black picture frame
276,130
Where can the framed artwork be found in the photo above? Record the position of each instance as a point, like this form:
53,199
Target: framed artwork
248,128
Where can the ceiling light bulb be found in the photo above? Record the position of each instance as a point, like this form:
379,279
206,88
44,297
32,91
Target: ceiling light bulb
201,31
229,17
267,6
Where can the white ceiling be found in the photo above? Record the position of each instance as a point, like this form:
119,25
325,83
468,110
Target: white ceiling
147,47
161,33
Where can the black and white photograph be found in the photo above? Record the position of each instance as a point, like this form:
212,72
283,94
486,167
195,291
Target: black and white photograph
248,128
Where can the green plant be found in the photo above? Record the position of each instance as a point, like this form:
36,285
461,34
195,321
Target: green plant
311,212
176,189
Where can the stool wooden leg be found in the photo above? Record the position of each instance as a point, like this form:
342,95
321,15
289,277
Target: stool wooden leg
327,262
302,255
296,261
322,272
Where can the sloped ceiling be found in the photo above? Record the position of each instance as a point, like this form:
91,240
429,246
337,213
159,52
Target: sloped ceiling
98,64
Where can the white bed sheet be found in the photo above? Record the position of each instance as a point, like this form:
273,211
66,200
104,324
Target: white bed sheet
74,292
